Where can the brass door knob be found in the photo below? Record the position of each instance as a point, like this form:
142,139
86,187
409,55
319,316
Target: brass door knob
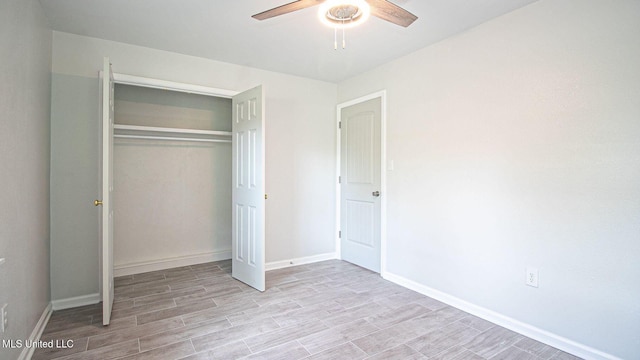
97,202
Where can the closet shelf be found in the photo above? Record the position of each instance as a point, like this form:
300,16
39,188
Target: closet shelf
170,130
172,134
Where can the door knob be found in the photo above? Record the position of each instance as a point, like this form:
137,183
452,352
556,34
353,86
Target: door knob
376,193
97,202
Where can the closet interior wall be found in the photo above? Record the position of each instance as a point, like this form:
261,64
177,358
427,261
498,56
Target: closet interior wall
172,179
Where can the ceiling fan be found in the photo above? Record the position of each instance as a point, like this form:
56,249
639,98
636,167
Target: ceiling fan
346,13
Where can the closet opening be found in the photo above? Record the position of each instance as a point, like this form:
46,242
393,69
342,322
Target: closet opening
172,178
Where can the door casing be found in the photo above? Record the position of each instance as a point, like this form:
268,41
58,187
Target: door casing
383,170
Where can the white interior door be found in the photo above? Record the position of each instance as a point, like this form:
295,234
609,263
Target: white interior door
248,213
360,200
106,233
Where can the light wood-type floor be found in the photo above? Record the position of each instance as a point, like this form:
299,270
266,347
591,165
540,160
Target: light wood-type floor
327,310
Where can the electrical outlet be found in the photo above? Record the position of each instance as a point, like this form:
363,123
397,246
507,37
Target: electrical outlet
1,261
4,320
532,277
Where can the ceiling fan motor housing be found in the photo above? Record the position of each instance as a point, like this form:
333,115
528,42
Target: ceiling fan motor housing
344,13
340,13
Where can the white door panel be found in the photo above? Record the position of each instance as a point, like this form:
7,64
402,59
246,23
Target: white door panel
360,206
248,249
361,222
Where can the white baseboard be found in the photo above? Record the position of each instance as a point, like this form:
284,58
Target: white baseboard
299,261
168,263
530,331
76,301
27,352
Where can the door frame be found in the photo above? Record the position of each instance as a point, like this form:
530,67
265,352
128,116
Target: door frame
126,79
382,94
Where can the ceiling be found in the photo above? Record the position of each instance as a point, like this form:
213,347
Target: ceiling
295,43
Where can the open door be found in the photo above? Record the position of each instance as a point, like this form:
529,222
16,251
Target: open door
248,213
106,220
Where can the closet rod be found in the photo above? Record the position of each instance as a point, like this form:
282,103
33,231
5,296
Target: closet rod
170,138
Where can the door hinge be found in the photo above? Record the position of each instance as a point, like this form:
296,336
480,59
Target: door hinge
339,179
340,234
339,124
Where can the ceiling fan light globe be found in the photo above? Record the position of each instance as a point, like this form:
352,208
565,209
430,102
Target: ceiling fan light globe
344,14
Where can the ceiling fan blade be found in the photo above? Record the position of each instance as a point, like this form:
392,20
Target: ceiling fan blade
287,8
391,12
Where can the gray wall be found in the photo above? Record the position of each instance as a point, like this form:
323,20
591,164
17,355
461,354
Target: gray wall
74,186
517,144
25,74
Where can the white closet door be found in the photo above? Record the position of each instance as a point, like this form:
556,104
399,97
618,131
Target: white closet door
106,235
248,213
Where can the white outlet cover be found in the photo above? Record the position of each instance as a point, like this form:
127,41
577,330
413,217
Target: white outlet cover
531,277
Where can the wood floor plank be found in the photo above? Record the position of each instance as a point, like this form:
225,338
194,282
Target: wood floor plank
442,339
477,323
302,315
281,336
169,352
182,333
346,351
176,285
188,299
513,353
401,352
135,332
132,293
388,338
274,311
457,352
143,309
332,337
234,350
288,351
175,311
355,313
492,341
398,315
149,299
536,348
219,311
233,334
272,296
561,355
